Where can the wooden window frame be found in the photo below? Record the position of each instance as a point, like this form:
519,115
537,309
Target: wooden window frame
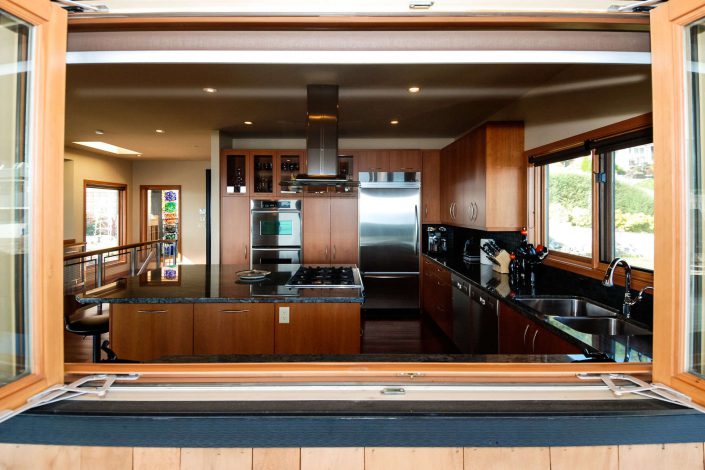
591,267
143,211
122,209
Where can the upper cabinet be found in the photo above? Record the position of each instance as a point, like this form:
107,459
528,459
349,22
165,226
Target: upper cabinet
257,173
388,160
404,160
430,187
289,163
483,178
234,173
264,173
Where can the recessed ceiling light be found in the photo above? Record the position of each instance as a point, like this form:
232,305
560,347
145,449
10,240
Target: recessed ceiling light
99,132
414,89
160,131
248,123
393,122
210,90
105,147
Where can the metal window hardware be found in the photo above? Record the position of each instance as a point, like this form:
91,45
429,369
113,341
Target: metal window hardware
600,177
420,5
637,7
393,391
59,393
79,7
644,389
411,375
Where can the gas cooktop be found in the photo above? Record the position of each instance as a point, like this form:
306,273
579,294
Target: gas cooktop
326,276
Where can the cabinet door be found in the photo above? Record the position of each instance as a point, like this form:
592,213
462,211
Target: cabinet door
288,163
372,160
145,332
430,187
544,341
265,174
464,189
473,171
343,230
405,160
513,331
233,328
234,173
317,329
234,230
316,230
448,179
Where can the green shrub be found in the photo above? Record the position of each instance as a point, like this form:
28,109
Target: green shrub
626,222
570,190
633,199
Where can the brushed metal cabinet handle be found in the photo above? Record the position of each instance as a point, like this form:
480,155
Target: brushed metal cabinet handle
334,252
152,311
425,210
245,251
533,342
234,311
325,253
526,331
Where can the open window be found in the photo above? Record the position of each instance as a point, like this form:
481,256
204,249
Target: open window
678,49
32,53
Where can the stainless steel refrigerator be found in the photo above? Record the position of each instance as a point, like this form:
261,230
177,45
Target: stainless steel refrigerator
390,229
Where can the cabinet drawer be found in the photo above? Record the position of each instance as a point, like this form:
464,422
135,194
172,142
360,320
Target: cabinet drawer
242,328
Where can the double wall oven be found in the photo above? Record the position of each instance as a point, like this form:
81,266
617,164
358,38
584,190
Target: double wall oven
276,231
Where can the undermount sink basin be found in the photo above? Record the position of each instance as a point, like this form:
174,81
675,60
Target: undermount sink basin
566,307
602,326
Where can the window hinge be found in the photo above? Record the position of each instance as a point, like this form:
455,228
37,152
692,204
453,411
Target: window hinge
644,389
600,177
64,392
411,375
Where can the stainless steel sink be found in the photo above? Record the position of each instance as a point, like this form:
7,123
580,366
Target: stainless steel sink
602,326
566,307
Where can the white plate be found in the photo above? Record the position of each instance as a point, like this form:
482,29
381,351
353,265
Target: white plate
252,274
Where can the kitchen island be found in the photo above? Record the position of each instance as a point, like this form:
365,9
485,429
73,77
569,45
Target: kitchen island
205,310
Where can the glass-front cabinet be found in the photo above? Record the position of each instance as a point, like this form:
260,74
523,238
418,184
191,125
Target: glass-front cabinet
235,168
289,164
264,173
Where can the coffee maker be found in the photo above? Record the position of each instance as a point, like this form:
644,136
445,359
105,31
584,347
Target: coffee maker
437,241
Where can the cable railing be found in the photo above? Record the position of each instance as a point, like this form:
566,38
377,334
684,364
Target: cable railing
76,264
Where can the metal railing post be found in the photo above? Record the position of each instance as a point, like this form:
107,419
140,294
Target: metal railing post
133,261
159,254
99,271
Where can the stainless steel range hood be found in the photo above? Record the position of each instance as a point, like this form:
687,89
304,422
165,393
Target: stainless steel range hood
321,142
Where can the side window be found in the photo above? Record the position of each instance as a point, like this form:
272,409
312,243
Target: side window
104,215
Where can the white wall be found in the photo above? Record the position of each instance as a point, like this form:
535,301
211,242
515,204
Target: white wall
580,99
81,166
191,176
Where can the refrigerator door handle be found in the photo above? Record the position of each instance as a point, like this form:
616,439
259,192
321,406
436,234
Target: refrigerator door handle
416,230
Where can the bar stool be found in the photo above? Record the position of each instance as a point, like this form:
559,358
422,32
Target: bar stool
89,320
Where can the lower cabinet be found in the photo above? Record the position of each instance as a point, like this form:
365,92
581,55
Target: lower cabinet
317,329
233,329
521,335
145,332
436,295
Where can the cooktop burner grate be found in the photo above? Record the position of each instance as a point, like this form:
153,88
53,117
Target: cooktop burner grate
324,276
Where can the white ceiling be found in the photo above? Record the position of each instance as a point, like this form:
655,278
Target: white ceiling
130,101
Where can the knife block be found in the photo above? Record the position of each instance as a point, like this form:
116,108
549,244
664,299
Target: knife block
503,259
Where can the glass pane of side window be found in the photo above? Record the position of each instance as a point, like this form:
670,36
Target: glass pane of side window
15,63
163,217
102,218
569,206
634,205
695,67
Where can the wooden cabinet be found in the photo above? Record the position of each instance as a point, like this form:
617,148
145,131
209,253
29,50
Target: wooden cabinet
405,160
436,295
235,169
330,230
288,163
483,178
145,332
317,329
430,187
519,334
234,230
240,328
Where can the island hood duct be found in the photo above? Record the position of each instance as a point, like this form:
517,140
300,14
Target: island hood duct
321,141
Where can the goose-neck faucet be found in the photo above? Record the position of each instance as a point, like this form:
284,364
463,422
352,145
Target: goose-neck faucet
608,281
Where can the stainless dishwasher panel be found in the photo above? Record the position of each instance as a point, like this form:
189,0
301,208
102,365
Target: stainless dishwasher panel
462,337
484,323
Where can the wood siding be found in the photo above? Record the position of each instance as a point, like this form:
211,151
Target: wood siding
642,457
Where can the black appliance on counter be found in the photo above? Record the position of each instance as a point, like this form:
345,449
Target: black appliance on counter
436,240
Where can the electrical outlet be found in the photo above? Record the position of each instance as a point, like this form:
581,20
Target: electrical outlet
283,314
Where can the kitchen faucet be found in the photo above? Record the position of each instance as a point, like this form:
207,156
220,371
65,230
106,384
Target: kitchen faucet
608,282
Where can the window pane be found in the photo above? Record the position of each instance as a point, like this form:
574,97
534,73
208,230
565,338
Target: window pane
569,215
695,64
102,218
634,205
14,198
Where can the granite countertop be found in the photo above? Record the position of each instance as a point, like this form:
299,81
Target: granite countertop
199,283
619,348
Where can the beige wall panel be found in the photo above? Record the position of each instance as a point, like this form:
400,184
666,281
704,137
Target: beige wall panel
661,456
413,458
156,458
276,459
216,459
507,458
106,458
333,458
29,457
584,458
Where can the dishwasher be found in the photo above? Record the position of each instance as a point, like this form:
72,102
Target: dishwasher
484,323
461,314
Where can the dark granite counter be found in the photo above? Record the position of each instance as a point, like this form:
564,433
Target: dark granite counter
200,283
614,348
